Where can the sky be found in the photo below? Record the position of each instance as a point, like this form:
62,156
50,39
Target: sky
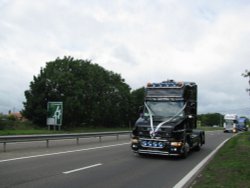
207,42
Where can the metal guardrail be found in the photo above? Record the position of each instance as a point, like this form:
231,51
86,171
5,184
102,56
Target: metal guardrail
48,137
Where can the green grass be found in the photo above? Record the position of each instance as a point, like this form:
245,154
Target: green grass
28,132
46,131
206,128
230,167
27,128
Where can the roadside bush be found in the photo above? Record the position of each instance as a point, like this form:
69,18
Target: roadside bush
11,117
1,125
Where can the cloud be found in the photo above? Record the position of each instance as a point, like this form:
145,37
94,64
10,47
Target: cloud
144,41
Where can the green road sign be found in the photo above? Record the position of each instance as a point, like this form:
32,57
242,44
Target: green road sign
54,113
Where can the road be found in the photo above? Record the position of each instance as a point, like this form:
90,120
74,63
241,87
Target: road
93,164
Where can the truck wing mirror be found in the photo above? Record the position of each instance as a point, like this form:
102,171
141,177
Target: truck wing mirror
192,104
140,110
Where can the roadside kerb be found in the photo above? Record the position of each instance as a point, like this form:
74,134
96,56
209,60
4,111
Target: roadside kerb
48,137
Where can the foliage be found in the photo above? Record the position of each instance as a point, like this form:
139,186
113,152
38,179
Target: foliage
137,100
90,94
12,117
246,74
211,119
6,121
27,129
9,122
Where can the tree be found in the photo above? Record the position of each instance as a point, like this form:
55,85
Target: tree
247,74
210,119
137,100
90,94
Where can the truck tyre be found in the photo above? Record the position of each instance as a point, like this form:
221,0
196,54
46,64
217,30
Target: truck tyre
185,152
198,146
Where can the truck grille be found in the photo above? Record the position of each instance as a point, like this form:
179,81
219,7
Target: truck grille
162,132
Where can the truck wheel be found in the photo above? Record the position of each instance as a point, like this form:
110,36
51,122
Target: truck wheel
185,153
198,146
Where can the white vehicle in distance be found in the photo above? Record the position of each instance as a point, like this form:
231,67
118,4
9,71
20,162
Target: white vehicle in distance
230,123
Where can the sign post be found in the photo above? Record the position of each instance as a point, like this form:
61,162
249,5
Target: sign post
54,114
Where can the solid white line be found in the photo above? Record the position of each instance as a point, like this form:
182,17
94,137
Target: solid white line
63,152
84,168
195,170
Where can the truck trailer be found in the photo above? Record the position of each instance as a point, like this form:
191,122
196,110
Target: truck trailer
242,124
168,120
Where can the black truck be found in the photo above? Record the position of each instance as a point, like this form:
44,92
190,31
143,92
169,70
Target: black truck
168,120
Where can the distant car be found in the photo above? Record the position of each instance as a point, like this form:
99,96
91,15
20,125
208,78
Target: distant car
215,126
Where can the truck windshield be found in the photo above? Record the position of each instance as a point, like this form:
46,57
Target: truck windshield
229,121
165,108
242,123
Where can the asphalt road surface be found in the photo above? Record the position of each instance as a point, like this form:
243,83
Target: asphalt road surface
95,164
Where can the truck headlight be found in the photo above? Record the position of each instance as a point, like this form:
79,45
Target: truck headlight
144,143
176,144
150,143
155,144
160,144
134,141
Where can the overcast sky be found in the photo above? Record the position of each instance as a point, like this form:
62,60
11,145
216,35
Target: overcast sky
207,42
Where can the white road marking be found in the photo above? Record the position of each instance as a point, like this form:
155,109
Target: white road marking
83,168
63,152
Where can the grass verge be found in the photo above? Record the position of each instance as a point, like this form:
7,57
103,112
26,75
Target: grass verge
46,131
27,128
209,128
230,167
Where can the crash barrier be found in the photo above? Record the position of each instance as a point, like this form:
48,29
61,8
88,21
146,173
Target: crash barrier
48,137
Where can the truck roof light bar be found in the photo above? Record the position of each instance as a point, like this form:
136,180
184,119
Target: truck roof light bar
164,84
164,96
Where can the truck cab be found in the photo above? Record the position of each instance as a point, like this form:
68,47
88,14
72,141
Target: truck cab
167,124
231,123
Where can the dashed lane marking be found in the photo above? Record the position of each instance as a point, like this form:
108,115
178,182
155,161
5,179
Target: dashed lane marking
83,168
